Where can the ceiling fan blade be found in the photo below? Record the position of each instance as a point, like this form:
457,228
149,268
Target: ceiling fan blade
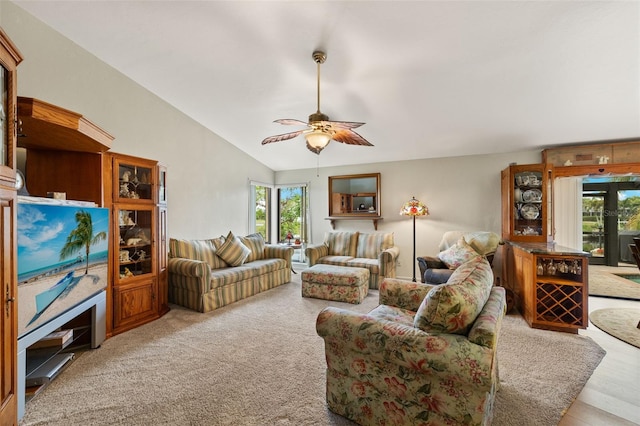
350,137
316,150
290,121
282,137
337,125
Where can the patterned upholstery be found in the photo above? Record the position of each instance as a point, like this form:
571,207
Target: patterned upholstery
337,283
453,308
202,281
375,252
341,243
432,268
232,250
383,370
255,243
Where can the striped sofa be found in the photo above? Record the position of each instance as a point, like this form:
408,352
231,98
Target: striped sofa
373,251
207,274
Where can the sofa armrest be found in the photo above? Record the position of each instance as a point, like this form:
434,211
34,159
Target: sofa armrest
188,267
351,335
313,252
387,261
486,328
432,262
273,251
403,294
429,262
189,272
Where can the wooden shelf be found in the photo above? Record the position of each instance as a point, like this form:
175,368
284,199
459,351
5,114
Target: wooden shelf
46,126
372,218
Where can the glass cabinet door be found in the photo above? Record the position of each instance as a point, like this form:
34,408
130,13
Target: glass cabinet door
136,255
162,184
527,214
135,182
528,208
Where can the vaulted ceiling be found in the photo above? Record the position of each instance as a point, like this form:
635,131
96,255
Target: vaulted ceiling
429,78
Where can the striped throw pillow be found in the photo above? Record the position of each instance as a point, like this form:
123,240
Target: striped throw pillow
255,243
233,251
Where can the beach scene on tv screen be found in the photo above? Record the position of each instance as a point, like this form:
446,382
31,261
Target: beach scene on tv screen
62,259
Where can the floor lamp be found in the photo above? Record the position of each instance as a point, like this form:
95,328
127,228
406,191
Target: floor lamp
414,208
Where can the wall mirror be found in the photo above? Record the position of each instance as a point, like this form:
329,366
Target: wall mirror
354,195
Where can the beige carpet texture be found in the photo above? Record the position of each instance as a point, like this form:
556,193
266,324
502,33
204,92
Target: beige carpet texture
260,362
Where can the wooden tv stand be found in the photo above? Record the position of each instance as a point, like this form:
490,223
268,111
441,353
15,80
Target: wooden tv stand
96,304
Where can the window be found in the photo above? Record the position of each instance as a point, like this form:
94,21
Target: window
293,218
260,210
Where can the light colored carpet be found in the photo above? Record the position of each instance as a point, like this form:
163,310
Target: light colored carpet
260,362
606,284
621,323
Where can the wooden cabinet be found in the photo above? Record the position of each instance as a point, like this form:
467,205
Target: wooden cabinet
550,284
527,196
9,314
67,153
139,292
9,60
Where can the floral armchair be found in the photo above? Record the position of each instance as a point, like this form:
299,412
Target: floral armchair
425,356
456,247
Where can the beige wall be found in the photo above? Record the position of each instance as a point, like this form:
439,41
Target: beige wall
462,193
208,177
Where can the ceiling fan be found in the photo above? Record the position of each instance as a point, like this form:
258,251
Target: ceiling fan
320,130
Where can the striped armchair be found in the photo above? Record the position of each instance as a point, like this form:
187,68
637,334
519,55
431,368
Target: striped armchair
375,252
207,274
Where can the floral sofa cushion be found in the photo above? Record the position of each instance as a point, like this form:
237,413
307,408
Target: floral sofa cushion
453,307
459,253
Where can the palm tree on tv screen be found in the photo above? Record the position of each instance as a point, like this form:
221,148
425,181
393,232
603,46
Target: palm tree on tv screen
81,237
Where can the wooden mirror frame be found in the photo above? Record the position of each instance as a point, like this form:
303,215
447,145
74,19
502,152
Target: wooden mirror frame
347,194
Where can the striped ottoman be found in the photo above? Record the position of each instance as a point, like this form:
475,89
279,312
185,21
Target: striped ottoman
339,283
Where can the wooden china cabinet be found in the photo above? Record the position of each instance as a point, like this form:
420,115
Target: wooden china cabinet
549,282
139,241
526,203
9,59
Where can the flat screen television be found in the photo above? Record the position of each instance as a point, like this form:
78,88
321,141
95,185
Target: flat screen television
62,259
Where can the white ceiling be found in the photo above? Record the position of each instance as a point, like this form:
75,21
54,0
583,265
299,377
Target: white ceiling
429,78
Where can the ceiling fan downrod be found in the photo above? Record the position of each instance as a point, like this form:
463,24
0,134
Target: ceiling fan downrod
319,57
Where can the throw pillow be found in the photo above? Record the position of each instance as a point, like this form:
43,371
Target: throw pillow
454,306
233,251
255,243
459,253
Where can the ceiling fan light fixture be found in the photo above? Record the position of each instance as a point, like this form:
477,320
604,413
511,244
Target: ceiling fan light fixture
317,138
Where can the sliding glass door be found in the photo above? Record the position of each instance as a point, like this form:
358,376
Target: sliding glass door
610,218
